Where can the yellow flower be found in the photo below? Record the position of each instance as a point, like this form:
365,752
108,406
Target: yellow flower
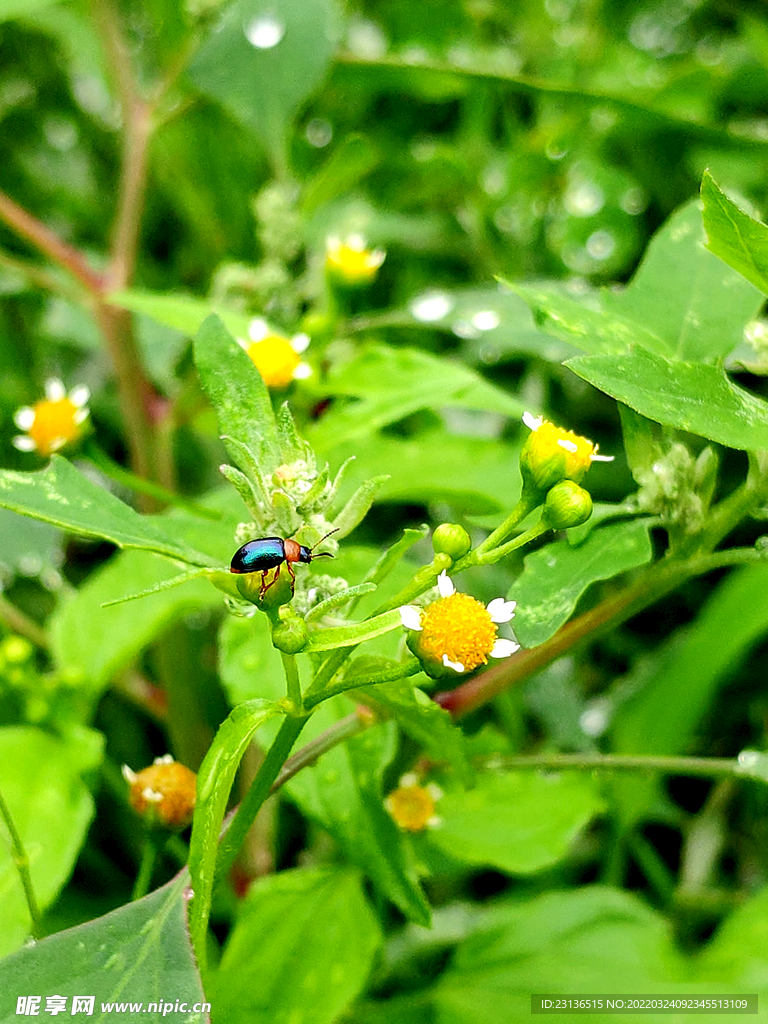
276,357
350,262
552,454
456,632
54,421
413,806
164,793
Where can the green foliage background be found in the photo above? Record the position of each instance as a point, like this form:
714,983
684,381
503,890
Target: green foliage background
569,195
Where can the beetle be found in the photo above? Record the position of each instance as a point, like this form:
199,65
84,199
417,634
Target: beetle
269,553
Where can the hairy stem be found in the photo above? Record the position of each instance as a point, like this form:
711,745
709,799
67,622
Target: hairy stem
21,861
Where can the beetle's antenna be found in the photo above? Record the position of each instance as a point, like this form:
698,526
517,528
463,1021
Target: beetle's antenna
326,554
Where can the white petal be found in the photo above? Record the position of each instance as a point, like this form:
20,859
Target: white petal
408,780
129,775
80,416
434,791
501,610
332,244
24,417
601,458
531,421
79,396
56,443
455,665
356,243
503,648
302,371
300,343
258,329
445,585
24,443
568,445
376,257
152,796
410,616
54,390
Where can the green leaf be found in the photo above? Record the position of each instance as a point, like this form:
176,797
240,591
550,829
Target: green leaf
181,312
64,497
417,715
51,807
736,956
214,782
555,577
353,633
675,689
486,318
354,158
239,395
342,792
689,396
586,940
684,296
681,303
358,506
139,953
263,84
584,323
475,475
302,949
248,663
27,545
519,822
391,383
94,641
222,579
734,236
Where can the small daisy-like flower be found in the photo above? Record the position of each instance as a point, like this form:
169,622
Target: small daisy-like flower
412,805
277,358
351,262
552,454
54,421
164,793
456,632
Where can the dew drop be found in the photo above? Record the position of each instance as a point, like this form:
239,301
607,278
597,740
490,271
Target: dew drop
486,320
318,132
633,201
600,245
432,306
366,39
584,199
464,329
264,31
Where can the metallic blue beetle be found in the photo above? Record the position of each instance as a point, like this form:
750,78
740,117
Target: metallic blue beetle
270,553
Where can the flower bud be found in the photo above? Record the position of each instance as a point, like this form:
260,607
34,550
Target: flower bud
452,540
350,264
249,587
289,633
551,454
566,505
164,793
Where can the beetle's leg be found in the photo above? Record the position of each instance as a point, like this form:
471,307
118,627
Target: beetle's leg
292,574
267,586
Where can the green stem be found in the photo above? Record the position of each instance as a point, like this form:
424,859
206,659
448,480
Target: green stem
335,734
702,767
401,671
22,624
21,861
523,508
291,669
524,538
260,789
650,585
150,850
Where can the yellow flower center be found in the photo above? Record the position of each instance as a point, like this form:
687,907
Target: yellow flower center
356,266
54,425
575,452
411,807
275,360
459,627
173,787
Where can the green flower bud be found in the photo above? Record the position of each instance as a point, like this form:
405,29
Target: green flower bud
452,540
551,454
249,587
289,633
566,505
